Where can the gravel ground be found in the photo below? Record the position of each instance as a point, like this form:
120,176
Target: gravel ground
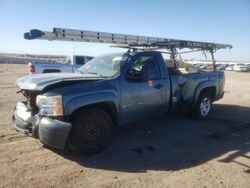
169,151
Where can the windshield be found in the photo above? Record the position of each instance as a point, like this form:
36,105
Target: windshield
104,65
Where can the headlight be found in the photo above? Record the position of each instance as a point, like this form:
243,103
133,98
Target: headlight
50,105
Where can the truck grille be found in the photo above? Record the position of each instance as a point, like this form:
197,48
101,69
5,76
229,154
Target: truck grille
31,101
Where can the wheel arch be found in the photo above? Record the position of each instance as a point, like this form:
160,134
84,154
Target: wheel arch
107,106
206,87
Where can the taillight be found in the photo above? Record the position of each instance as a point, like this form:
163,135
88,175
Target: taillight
32,68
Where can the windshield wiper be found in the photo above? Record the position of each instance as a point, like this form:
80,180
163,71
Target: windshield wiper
95,74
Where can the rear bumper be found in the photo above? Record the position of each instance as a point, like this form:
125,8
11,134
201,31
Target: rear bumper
220,95
49,131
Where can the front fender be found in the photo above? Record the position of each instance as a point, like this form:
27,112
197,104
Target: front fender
88,99
202,86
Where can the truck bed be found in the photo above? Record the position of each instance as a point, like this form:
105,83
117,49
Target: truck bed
185,85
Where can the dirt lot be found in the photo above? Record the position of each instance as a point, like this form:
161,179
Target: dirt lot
170,151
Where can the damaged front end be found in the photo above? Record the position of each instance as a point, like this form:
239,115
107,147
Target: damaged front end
24,117
41,115
30,100
27,120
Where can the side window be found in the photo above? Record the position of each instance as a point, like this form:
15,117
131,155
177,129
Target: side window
79,60
151,63
89,58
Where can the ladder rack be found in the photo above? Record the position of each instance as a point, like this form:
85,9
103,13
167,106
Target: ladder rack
120,40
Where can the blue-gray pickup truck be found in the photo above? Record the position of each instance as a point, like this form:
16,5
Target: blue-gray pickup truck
82,109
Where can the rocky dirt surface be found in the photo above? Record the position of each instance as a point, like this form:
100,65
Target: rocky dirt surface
169,151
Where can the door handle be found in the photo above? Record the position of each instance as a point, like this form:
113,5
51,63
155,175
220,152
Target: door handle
158,86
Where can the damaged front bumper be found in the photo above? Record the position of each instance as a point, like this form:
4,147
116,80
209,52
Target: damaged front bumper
49,131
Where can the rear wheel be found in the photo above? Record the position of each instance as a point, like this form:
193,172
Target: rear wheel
91,131
203,106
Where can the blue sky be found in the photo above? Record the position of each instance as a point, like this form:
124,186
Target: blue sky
221,21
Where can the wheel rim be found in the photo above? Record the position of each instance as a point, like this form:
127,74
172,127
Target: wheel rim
92,133
205,106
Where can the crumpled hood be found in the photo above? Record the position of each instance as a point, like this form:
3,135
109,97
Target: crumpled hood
38,82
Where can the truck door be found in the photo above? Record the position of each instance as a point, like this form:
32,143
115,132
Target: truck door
140,97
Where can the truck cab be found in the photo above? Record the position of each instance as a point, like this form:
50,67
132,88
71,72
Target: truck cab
72,64
77,61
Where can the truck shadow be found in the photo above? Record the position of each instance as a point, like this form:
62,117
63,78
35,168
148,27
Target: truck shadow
173,142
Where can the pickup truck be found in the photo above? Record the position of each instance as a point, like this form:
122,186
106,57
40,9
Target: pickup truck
82,109
73,63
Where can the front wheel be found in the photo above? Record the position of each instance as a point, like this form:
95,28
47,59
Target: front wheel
91,131
203,106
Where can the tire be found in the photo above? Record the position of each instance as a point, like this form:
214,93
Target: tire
203,106
91,131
